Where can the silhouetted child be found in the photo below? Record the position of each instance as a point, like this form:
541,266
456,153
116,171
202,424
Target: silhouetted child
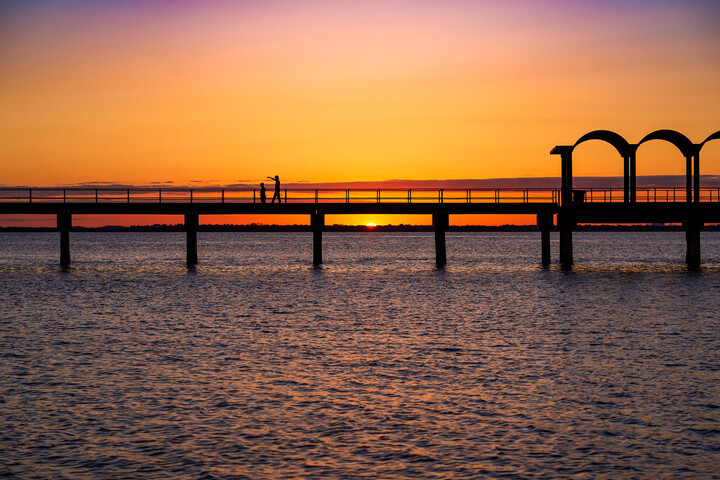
277,189
263,195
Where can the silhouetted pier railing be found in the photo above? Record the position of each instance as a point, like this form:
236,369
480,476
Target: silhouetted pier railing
647,194
357,195
248,195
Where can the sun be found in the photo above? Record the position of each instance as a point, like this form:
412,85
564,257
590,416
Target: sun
370,225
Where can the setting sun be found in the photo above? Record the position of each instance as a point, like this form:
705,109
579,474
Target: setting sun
370,225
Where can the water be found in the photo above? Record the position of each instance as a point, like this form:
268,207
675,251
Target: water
376,366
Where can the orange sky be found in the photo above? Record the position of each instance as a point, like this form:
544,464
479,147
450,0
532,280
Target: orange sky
221,92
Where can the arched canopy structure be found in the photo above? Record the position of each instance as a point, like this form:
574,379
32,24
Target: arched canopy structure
614,139
714,136
689,150
625,150
686,147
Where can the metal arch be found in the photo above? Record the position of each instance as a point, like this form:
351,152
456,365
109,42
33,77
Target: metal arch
614,139
714,136
686,147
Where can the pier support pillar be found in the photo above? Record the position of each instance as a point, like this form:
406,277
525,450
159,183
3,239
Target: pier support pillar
192,222
441,221
692,237
545,224
64,224
317,224
565,224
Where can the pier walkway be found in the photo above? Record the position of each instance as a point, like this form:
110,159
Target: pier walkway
315,203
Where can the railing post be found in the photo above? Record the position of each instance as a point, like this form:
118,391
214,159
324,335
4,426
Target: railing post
285,192
378,195
347,195
441,194
409,195
222,193
316,195
29,195
253,195
96,196
64,196
191,195
159,195
128,195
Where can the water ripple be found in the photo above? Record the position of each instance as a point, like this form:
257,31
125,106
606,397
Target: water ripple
377,366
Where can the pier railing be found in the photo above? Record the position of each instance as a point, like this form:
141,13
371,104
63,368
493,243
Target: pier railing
645,195
249,195
357,195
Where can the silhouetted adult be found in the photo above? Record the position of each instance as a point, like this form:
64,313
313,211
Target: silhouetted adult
277,189
263,195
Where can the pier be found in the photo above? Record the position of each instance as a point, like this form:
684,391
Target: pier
313,204
554,208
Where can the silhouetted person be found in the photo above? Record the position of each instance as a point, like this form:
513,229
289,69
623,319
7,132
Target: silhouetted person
263,195
277,189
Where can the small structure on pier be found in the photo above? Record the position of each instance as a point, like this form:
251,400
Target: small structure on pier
692,215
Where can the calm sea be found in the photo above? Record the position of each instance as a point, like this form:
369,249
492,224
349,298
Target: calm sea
377,365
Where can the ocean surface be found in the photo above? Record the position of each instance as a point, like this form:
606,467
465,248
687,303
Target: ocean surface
376,366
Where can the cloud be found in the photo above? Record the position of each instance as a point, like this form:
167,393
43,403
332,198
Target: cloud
643,181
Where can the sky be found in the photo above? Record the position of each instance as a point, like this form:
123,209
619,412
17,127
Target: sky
194,92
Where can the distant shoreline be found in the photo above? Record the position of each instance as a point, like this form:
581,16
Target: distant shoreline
355,228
